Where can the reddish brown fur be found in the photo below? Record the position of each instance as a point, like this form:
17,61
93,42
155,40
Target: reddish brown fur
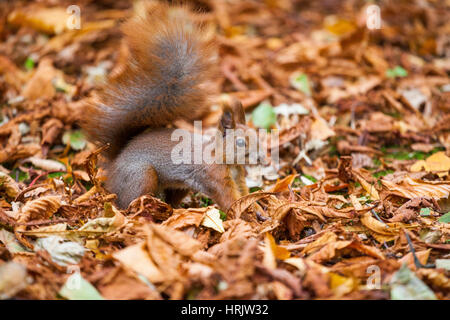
164,79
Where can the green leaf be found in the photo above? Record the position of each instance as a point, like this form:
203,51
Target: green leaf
22,176
204,201
223,215
300,82
404,155
310,178
264,116
76,139
396,72
77,288
29,64
425,212
406,286
56,174
445,218
382,173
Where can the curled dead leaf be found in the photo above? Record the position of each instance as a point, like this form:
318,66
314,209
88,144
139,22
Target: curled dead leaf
242,204
409,188
8,185
41,208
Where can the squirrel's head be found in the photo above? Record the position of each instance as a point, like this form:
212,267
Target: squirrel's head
240,144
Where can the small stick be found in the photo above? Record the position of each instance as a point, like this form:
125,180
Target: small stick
413,251
378,218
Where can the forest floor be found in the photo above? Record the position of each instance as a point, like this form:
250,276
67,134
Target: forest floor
357,207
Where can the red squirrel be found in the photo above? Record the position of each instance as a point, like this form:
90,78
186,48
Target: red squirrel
164,79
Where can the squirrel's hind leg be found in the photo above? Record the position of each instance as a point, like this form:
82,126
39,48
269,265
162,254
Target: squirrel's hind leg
131,185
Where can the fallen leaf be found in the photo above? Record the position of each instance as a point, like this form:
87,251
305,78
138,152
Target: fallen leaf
77,288
212,220
13,278
438,162
409,188
62,252
47,164
406,286
48,20
136,258
8,185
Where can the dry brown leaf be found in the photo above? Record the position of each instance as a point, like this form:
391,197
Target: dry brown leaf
326,238
136,258
320,130
183,218
370,188
388,229
163,254
40,85
242,204
148,206
409,188
180,241
41,208
437,278
8,185
329,251
421,255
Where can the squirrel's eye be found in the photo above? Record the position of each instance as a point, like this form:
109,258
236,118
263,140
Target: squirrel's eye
240,142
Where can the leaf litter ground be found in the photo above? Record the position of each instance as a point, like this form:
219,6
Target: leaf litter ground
356,209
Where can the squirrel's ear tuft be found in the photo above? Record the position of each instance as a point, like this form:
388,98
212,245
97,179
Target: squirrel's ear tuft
227,121
233,113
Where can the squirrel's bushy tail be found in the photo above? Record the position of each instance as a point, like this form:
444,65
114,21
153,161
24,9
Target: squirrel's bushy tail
164,79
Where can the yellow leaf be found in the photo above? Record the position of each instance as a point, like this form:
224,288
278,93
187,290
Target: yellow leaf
339,26
272,252
48,20
370,189
373,224
283,184
341,285
436,163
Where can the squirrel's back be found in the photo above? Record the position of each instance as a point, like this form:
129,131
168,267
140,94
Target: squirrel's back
165,78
